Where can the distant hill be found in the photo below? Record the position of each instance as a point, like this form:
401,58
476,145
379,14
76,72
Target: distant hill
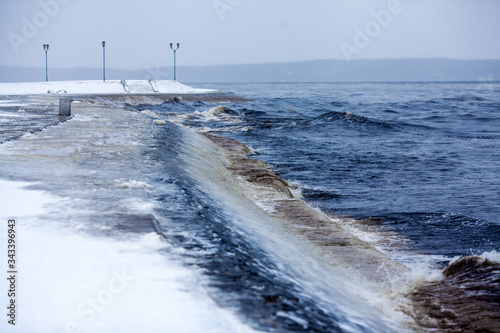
361,70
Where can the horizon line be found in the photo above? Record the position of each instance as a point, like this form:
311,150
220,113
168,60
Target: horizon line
262,63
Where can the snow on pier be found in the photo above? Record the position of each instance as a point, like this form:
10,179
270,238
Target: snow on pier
99,87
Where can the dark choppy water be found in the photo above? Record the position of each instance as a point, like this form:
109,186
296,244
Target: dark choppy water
422,158
416,165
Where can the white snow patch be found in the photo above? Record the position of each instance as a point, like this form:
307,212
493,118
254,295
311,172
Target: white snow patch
17,202
70,281
159,122
150,113
98,87
134,184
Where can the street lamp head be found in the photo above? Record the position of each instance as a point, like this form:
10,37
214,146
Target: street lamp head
45,47
178,45
171,45
103,43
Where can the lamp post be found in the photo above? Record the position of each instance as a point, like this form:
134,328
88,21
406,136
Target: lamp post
103,61
171,46
46,48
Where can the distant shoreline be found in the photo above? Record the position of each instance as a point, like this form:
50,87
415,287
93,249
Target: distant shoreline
353,82
334,71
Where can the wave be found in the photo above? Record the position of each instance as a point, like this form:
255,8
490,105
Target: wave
442,230
467,299
468,280
461,297
348,119
216,118
319,194
286,203
274,218
438,102
338,104
252,170
252,112
465,98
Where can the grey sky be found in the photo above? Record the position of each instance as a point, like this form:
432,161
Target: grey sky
137,32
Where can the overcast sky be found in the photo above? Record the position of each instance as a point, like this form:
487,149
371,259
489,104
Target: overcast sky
138,32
